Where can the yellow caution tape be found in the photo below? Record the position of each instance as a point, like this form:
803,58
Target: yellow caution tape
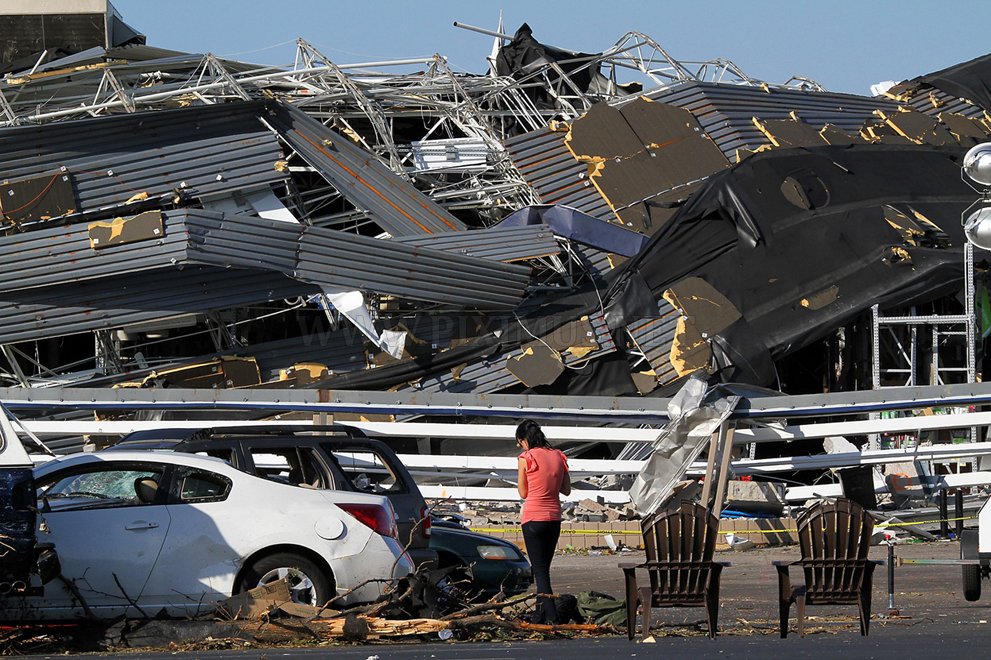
744,532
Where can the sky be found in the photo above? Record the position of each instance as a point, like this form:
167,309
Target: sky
845,45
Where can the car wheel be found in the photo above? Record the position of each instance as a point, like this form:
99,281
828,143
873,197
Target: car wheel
308,584
972,583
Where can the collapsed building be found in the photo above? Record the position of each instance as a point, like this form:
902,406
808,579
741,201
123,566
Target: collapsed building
565,223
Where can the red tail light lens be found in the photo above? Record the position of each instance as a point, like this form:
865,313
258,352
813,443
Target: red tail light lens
425,522
375,517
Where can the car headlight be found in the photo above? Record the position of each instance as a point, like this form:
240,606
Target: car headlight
497,552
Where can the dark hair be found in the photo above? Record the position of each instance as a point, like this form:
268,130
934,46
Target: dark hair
529,430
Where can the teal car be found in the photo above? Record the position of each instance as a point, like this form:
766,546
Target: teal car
483,565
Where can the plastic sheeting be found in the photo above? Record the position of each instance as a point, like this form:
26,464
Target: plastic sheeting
801,241
696,413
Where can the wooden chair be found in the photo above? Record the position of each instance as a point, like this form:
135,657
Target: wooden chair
834,539
679,543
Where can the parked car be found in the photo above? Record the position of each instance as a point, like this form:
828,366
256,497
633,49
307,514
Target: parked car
484,565
321,457
138,532
344,458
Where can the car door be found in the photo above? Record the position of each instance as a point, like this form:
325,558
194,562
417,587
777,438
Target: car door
197,564
108,526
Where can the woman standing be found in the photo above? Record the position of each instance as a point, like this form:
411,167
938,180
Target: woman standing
542,476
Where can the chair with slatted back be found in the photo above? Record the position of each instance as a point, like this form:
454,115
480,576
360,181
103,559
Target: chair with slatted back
834,538
679,543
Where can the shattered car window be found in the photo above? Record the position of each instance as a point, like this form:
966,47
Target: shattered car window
96,489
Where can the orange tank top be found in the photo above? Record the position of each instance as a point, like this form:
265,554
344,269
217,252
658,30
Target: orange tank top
545,470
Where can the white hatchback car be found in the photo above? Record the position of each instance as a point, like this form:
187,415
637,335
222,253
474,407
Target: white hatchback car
137,532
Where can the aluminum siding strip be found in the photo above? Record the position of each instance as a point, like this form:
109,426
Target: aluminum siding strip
391,201
506,244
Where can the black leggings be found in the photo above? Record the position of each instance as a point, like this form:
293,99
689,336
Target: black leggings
540,537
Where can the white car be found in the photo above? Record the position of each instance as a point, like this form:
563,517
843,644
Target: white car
140,531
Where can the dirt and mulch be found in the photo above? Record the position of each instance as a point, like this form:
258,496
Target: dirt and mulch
267,617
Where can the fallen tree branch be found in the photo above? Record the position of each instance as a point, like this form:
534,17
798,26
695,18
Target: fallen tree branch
372,627
128,598
488,607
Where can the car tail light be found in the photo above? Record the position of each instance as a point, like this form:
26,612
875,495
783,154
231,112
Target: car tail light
374,516
425,522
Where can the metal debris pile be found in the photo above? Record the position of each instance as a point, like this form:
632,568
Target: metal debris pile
561,223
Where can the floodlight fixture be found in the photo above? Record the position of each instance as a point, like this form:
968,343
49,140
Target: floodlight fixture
977,228
977,164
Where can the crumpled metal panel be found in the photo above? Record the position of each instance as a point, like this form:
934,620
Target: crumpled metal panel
346,260
505,244
696,413
204,150
57,256
57,311
391,201
490,375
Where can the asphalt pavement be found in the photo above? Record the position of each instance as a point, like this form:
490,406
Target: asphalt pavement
930,617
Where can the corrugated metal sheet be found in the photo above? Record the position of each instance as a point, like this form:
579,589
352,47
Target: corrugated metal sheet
655,337
726,112
341,351
554,174
54,257
596,262
506,244
341,260
58,311
206,150
932,101
346,260
57,256
391,201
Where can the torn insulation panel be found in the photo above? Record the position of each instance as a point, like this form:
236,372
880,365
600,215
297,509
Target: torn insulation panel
35,198
789,132
832,134
917,127
537,365
119,231
967,131
641,150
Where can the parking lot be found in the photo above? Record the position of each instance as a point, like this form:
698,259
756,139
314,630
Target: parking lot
925,596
